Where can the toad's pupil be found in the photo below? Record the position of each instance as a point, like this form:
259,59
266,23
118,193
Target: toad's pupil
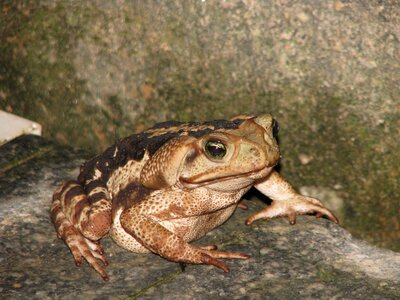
216,149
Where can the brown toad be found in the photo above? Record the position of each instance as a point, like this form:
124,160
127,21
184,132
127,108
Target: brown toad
160,189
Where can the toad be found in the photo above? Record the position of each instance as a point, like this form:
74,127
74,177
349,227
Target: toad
158,190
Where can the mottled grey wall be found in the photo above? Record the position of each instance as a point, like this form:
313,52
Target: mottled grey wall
328,70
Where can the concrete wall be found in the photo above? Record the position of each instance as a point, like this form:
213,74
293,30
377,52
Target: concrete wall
328,70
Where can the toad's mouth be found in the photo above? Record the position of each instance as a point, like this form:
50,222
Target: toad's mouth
202,180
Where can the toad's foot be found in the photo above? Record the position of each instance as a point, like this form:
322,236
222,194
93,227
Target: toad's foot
83,247
209,254
299,205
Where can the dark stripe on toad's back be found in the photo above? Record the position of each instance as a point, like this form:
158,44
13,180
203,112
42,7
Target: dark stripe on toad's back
217,124
148,140
225,124
87,170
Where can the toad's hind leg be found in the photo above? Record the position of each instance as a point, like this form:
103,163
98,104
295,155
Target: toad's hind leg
81,224
165,243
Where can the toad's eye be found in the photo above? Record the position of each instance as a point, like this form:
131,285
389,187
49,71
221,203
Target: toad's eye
215,149
275,128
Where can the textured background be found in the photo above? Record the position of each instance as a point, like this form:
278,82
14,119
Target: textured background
328,70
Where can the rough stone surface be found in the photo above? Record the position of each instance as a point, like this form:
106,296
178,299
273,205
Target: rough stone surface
314,259
91,72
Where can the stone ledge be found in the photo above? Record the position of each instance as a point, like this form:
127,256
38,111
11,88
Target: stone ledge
313,259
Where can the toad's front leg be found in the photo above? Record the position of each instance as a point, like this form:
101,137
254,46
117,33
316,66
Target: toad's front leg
287,202
165,243
81,224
